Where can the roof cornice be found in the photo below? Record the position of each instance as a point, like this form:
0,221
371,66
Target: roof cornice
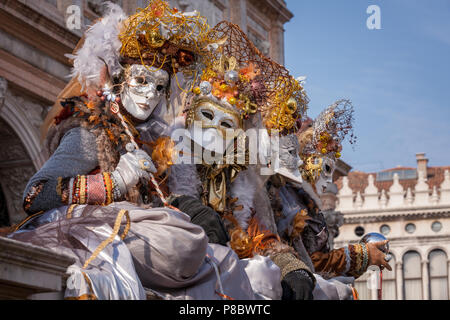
275,7
433,214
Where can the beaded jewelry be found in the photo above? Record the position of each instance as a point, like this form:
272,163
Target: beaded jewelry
116,190
359,260
365,257
108,187
352,257
99,189
83,189
348,260
32,194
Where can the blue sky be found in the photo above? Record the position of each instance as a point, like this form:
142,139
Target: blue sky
398,77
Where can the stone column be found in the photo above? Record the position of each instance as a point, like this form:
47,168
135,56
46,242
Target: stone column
238,13
448,278
276,39
425,281
399,280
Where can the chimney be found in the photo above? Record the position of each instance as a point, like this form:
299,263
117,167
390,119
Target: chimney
422,164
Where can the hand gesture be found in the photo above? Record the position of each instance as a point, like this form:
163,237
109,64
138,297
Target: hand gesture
376,256
133,166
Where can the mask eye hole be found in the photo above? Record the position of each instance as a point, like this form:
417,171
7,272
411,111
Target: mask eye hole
226,124
159,87
327,168
292,152
138,81
141,80
208,114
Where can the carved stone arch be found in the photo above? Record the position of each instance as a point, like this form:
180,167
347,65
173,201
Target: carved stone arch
20,150
16,168
411,249
436,247
25,122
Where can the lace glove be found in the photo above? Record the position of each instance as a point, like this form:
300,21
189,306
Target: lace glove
297,285
204,217
132,167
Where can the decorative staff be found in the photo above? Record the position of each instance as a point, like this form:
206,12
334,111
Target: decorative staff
134,146
378,237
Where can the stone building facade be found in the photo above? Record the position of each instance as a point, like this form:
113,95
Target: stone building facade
411,207
34,37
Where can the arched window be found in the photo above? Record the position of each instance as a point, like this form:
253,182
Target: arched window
389,285
438,275
412,276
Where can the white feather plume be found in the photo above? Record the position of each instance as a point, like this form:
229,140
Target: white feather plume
101,43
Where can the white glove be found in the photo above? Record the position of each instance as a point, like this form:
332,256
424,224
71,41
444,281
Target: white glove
132,167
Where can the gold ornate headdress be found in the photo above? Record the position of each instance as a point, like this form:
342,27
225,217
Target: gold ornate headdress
292,105
331,127
324,139
240,76
160,36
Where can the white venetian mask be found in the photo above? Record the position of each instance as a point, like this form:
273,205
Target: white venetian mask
326,175
287,160
214,127
143,90
284,156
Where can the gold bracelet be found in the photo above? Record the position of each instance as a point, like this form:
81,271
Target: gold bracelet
359,259
82,190
108,188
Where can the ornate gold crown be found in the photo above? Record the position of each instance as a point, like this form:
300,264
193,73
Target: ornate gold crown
161,36
239,74
292,105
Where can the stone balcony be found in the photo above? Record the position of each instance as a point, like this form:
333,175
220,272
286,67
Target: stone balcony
31,272
396,198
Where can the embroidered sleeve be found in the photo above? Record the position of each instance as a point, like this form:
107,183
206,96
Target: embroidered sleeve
99,189
32,193
76,154
359,257
334,261
352,260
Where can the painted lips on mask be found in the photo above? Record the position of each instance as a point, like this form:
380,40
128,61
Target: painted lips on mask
143,106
